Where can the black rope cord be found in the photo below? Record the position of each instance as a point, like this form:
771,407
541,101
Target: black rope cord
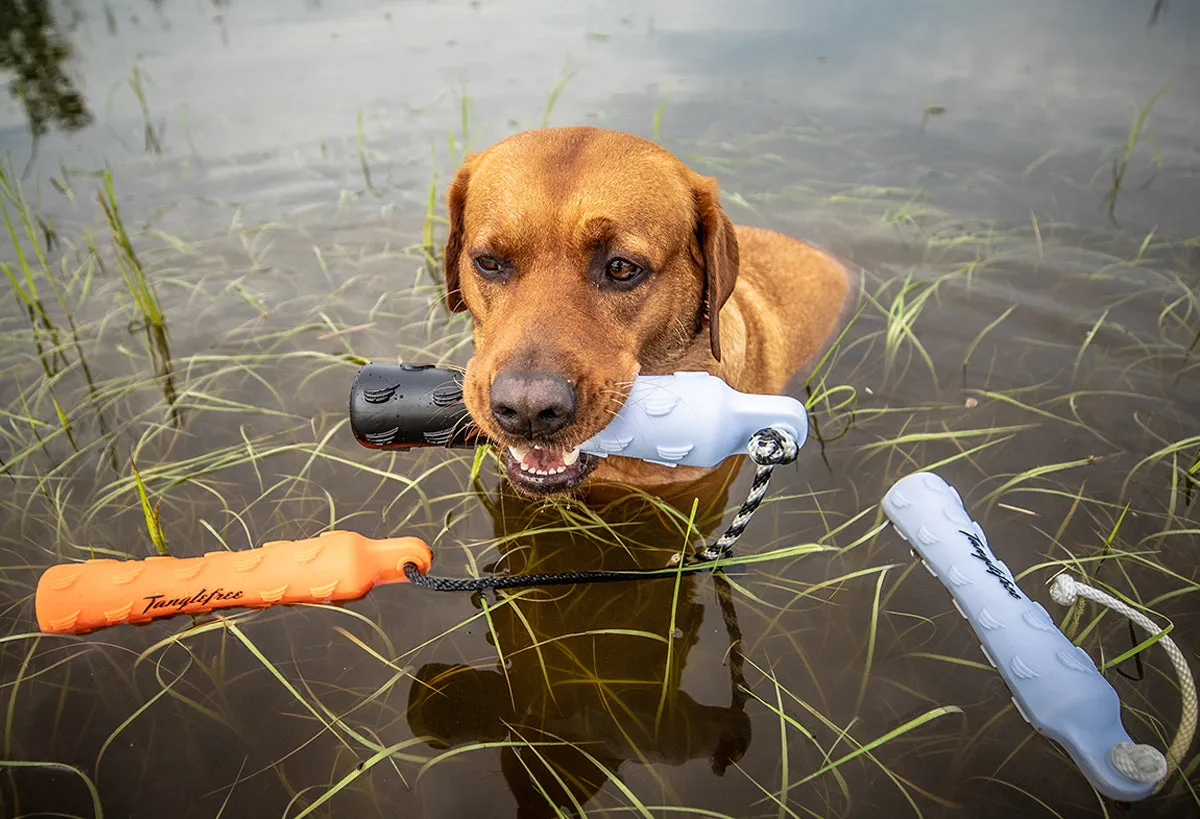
768,448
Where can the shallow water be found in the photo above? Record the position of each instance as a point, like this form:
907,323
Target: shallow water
276,186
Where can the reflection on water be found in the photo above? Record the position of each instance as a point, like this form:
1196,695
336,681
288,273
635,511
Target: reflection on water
585,680
274,163
1046,91
35,53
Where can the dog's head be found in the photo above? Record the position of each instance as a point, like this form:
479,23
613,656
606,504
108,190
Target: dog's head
585,257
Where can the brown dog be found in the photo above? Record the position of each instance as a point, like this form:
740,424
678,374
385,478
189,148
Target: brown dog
588,257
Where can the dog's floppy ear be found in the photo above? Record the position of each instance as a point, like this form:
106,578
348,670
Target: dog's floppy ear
718,244
456,203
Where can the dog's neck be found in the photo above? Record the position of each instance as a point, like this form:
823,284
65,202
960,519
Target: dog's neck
697,355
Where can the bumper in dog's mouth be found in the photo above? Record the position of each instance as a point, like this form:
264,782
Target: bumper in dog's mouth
542,470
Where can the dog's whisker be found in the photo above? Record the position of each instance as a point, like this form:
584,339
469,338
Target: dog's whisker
464,423
762,280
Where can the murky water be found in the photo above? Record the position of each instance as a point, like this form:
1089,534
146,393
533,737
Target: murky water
272,162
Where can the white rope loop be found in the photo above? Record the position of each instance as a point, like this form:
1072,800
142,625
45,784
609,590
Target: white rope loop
1141,763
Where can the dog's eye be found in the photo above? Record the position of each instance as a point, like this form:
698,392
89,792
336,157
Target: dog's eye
488,265
622,270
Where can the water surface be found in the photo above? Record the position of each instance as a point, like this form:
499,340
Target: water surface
273,162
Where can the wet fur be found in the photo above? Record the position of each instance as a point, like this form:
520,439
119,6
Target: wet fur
749,305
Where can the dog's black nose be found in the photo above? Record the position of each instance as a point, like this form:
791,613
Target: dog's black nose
532,404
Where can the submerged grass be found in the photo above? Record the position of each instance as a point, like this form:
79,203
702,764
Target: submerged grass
143,292
153,524
1121,164
1071,439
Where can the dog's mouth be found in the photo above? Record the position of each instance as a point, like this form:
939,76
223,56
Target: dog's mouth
540,469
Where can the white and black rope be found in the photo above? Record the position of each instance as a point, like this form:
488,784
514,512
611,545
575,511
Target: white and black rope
768,448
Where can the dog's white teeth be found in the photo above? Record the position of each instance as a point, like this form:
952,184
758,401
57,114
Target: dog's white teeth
537,470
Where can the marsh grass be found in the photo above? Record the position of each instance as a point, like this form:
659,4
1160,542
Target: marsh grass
568,75
143,292
364,157
30,265
150,512
1120,165
1071,439
152,133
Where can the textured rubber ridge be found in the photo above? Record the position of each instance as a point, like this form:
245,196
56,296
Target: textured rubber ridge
75,598
685,419
402,406
694,419
1055,685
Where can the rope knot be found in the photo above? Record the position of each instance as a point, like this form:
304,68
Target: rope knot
1141,763
771,447
1063,590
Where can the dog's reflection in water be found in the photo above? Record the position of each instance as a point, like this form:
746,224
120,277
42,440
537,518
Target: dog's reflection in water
590,681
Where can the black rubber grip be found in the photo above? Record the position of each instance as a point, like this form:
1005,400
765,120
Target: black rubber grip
402,406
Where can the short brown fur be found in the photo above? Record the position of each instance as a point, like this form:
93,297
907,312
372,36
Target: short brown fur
749,305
